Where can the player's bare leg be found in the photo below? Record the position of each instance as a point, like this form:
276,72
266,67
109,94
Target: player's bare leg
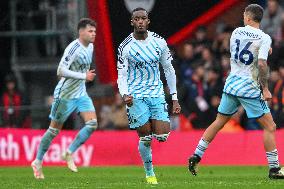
207,137
145,138
269,141
215,127
47,138
90,119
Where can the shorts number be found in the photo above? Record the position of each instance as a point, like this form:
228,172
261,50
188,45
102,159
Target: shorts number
166,107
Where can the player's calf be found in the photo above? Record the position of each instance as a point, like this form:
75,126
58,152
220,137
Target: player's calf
145,151
83,135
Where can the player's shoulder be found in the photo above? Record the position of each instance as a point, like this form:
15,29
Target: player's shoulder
91,46
125,43
237,30
73,47
159,39
155,35
266,37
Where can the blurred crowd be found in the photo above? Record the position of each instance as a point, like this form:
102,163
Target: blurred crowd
202,65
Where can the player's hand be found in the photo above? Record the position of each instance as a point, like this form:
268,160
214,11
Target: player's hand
270,51
128,100
266,94
90,75
176,107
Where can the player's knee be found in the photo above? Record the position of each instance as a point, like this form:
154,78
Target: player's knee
271,127
146,140
93,124
162,137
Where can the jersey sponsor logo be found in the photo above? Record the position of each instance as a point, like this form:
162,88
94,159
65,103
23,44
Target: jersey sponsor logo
142,64
83,67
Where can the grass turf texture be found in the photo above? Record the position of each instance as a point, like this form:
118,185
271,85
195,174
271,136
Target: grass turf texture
133,177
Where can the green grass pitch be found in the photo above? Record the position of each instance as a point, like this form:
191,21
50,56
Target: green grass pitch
239,177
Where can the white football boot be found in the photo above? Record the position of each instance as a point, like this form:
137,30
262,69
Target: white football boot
37,169
70,162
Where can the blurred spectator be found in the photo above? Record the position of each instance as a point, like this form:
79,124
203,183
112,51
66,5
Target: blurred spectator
225,65
274,77
208,58
214,91
272,21
278,99
11,100
105,122
184,101
186,60
234,124
251,124
118,115
200,41
221,43
197,104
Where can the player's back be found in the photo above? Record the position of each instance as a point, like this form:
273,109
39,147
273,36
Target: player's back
247,45
76,58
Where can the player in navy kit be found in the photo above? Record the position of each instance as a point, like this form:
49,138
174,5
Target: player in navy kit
139,56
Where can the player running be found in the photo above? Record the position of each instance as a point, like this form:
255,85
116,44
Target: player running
139,84
247,85
70,95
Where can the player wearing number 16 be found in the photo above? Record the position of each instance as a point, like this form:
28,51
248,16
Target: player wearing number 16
247,86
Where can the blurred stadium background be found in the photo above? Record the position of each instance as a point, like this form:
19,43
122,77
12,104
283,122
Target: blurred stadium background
34,34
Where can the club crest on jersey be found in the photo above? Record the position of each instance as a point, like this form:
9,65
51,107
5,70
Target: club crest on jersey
169,56
157,51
